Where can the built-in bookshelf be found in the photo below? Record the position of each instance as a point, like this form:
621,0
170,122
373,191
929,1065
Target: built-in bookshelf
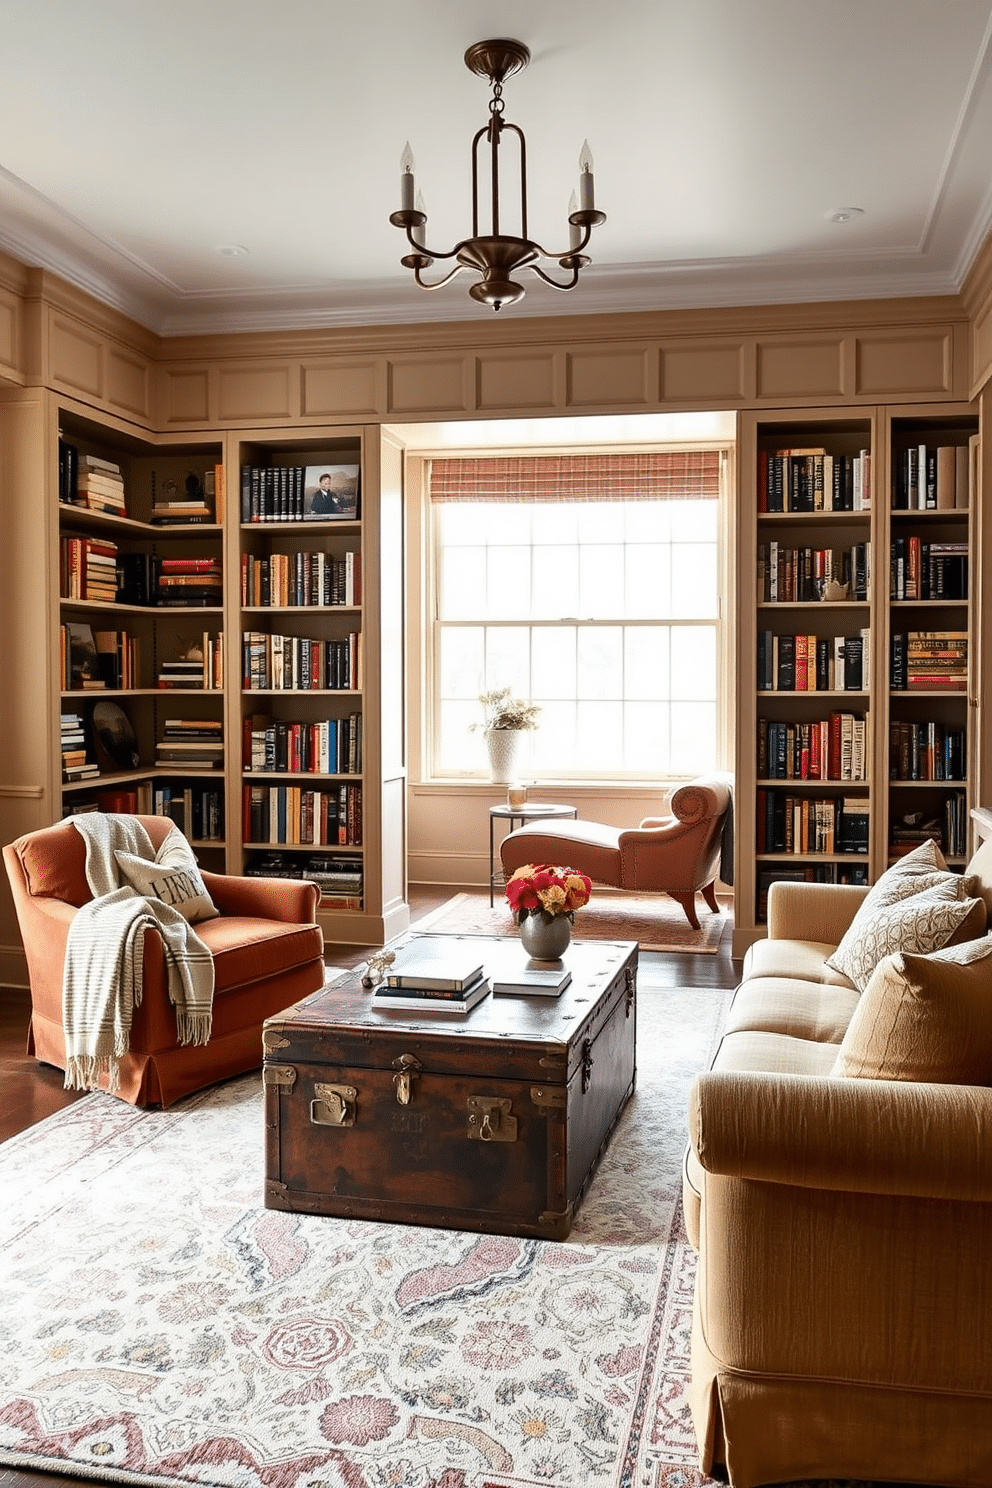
856,729
308,785
141,624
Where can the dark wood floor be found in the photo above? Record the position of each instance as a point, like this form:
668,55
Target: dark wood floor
30,1091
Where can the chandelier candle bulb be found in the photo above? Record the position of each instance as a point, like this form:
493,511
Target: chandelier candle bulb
586,179
406,179
574,230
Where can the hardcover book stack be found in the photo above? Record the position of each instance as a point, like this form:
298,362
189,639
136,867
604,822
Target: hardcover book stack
196,743
929,661
76,764
172,507
88,569
202,668
190,581
99,486
304,578
339,879
436,974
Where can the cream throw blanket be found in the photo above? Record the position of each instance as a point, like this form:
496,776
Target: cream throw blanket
102,979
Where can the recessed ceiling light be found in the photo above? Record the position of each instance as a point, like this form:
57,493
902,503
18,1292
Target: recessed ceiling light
843,214
232,250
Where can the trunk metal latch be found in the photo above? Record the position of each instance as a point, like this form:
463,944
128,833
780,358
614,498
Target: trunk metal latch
333,1105
489,1119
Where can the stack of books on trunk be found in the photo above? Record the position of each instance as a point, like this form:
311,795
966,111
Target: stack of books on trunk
437,974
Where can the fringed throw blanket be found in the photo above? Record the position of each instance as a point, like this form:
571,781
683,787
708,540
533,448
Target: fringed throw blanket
103,976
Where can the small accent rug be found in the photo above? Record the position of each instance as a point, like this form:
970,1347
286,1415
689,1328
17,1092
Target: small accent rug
656,922
159,1326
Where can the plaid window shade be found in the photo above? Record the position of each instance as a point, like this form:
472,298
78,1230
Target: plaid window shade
676,475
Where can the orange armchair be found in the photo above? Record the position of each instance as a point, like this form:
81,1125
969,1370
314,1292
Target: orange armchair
678,855
266,945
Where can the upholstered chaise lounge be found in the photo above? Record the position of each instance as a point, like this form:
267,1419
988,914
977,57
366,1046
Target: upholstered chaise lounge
678,854
266,945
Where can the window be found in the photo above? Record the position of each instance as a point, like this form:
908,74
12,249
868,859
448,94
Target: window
590,584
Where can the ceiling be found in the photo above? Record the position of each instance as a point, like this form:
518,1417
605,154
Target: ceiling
139,140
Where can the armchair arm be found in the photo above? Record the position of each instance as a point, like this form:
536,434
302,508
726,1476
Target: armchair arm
859,1136
812,911
291,899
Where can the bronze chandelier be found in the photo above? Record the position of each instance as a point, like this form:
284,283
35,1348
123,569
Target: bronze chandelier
496,255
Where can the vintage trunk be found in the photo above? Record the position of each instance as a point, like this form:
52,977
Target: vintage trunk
491,1121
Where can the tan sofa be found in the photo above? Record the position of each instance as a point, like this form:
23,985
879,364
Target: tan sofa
843,1311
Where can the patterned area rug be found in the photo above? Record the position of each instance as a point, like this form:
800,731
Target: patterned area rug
656,922
159,1326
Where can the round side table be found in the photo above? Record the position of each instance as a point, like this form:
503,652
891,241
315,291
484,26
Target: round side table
517,815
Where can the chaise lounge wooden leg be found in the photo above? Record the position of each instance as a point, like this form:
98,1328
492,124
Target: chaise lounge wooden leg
688,903
708,892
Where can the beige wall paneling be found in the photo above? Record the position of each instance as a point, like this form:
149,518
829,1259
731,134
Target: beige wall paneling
524,382
801,367
185,396
29,760
344,388
611,378
10,335
429,386
257,393
929,362
710,374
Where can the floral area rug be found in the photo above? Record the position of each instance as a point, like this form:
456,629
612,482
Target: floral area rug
656,922
158,1325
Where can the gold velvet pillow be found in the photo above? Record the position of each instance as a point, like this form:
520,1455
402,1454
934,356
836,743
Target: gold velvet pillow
926,1018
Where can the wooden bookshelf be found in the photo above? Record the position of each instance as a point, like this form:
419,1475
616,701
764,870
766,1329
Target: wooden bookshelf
784,825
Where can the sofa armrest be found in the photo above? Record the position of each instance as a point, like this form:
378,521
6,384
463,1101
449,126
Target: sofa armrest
812,911
293,900
860,1136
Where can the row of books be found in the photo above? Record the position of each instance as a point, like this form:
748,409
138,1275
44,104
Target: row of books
199,814
196,743
928,570
299,663
928,478
88,569
787,575
92,661
842,873
299,493
833,748
811,663
304,578
331,747
929,661
805,824
294,815
926,751
808,480
339,879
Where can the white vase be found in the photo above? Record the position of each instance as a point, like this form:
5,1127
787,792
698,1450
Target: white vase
504,748
545,937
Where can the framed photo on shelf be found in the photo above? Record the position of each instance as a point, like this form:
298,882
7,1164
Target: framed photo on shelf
330,493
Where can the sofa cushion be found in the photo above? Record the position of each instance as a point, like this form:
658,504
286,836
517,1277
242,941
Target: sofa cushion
798,960
922,921
248,950
925,1018
800,1009
761,1052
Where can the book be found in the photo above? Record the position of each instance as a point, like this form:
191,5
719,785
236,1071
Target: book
436,963
421,1000
532,980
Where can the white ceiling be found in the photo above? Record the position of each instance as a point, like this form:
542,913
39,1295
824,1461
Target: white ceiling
140,137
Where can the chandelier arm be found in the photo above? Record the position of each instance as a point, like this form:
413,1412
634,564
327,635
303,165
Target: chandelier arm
554,282
428,252
439,282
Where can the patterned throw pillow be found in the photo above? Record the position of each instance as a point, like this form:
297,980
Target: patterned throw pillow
173,877
919,922
925,1018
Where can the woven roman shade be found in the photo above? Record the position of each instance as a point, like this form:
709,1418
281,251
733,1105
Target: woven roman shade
665,475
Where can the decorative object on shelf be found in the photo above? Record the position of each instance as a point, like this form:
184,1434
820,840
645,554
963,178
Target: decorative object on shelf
834,591
495,254
113,738
506,721
376,967
544,899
